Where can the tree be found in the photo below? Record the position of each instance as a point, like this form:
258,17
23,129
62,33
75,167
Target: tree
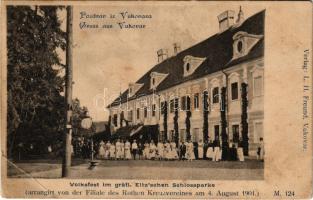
225,145
176,120
35,104
79,113
164,107
187,121
244,119
205,116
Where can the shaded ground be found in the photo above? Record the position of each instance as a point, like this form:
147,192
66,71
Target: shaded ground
144,169
33,166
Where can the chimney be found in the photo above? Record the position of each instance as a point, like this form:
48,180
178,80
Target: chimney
240,18
226,20
162,55
176,48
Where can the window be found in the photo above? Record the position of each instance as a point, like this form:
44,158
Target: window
235,129
188,103
153,81
115,120
187,67
182,135
234,91
196,136
121,117
153,110
196,101
215,95
172,106
175,104
138,113
130,115
145,111
162,107
258,86
171,135
239,46
183,103
217,131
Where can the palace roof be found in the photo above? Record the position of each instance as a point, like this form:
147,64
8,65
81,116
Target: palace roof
218,51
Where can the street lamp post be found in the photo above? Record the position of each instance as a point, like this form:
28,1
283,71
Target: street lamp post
68,93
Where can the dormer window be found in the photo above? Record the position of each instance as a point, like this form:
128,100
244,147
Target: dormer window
133,88
243,43
156,79
191,64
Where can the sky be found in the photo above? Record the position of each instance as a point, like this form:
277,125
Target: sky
105,61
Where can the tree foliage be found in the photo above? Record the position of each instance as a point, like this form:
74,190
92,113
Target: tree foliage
80,113
35,104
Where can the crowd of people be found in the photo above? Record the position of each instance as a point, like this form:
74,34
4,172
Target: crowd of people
168,150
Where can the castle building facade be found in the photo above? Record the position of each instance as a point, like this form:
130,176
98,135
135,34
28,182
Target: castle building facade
212,90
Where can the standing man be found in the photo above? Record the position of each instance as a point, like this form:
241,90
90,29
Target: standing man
140,150
182,153
134,149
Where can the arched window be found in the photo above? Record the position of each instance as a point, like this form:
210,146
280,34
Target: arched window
239,46
215,95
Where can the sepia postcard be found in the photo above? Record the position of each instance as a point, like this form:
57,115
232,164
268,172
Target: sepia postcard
156,99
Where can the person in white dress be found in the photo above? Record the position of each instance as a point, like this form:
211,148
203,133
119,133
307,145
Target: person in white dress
152,152
200,149
190,151
210,151
146,151
118,149
217,151
160,150
112,151
240,152
127,150
101,151
174,155
107,150
122,156
167,150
